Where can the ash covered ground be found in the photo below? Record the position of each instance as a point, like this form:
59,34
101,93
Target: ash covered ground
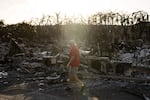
37,71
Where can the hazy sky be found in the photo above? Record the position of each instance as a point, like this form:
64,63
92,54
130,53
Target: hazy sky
13,11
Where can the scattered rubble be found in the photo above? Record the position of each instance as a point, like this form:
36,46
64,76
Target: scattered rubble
3,74
41,66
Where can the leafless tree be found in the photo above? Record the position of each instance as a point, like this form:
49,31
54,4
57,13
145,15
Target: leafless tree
140,16
57,17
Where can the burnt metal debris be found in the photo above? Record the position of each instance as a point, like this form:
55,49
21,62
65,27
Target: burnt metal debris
43,65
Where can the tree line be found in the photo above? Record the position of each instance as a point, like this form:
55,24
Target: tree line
98,27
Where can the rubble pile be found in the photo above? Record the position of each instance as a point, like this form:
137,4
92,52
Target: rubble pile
37,66
138,59
36,62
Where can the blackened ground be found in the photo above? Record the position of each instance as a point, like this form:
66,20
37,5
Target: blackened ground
22,87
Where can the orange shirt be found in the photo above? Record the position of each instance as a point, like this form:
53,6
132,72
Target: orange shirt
74,52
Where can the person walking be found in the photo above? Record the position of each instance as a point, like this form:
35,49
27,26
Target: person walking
73,64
